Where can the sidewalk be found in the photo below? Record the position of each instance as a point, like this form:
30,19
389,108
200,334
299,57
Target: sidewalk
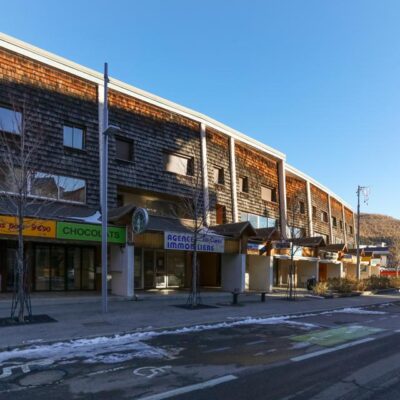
80,315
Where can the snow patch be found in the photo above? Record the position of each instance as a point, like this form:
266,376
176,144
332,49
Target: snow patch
355,310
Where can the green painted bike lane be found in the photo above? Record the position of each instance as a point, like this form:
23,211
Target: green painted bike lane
334,336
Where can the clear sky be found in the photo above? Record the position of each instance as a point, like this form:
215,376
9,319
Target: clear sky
318,80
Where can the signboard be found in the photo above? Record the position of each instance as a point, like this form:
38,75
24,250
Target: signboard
375,262
281,244
32,227
184,242
88,232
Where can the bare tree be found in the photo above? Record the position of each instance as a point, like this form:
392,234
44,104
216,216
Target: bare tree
20,143
294,233
192,208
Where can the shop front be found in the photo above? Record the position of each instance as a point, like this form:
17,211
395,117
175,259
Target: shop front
164,259
61,256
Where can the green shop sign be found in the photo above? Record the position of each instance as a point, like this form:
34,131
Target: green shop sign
91,233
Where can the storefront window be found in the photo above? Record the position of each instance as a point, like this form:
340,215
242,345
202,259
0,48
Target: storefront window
11,268
57,268
42,268
74,268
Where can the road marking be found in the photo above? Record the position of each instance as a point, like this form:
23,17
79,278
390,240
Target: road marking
397,331
151,372
325,351
255,342
216,350
25,368
190,388
105,371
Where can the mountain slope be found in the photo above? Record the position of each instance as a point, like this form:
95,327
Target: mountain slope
377,228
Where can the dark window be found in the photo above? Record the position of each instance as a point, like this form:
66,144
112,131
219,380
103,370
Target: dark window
314,212
324,216
10,120
302,207
350,229
221,214
124,149
268,194
178,164
58,187
74,137
219,175
244,184
341,224
334,222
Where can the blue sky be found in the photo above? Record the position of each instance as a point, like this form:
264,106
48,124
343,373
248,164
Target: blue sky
318,80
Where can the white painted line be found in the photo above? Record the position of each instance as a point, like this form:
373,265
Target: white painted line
325,351
255,342
397,331
190,388
216,350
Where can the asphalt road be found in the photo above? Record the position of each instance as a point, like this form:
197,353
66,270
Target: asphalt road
347,354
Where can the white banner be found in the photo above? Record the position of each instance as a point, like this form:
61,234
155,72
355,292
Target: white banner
184,242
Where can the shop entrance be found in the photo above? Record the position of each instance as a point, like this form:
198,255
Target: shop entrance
161,269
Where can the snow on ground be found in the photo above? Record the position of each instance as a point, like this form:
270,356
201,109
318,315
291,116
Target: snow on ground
120,348
355,310
125,347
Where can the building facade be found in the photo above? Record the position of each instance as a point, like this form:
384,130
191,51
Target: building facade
161,155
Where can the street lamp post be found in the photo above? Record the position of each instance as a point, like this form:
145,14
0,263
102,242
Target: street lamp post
364,191
108,130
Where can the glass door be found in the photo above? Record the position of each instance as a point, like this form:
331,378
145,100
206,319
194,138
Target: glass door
161,276
176,269
148,268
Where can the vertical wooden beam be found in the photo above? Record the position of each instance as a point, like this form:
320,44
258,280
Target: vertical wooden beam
204,172
330,219
282,196
344,225
233,179
309,208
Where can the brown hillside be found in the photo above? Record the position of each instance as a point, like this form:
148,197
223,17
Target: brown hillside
377,228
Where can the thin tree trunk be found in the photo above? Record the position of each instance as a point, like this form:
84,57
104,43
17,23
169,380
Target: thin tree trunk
21,269
194,272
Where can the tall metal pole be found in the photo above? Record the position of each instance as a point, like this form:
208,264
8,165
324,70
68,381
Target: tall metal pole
358,233
104,192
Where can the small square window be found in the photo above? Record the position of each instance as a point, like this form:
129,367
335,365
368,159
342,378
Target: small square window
220,214
178,164
268,194
74,137
10,120
244,184
219,176
123,149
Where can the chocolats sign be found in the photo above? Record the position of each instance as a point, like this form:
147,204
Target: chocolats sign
185,242
91,233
